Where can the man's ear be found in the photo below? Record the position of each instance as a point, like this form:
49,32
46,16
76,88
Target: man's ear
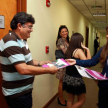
19,26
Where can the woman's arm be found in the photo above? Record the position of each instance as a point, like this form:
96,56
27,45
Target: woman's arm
87,50
90,62
80,53
86,63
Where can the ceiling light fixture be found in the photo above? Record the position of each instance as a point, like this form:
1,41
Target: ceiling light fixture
99,14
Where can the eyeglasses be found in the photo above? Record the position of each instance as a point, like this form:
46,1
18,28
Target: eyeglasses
30,26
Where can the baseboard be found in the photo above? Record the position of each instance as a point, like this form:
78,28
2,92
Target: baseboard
53,98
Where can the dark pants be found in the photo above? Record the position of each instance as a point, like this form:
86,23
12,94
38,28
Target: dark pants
95,50
23,101
103,98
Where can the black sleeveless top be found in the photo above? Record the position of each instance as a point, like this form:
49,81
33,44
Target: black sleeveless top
71,70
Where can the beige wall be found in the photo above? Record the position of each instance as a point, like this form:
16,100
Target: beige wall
44,34
103,40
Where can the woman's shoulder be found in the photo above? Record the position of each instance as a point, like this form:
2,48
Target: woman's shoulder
61,41
77,52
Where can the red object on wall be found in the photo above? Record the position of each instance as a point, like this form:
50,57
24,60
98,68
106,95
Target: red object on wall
47,49
48,3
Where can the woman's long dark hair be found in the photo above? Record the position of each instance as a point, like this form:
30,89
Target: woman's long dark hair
58,37
104,54
74,43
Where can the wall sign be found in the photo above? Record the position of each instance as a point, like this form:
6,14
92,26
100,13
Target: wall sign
2,22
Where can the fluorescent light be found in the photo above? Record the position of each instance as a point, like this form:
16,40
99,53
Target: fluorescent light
99,14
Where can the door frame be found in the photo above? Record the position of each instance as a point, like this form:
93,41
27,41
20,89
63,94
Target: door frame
86,38
21,5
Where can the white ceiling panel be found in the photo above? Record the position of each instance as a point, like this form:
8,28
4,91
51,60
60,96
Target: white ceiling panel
107,2
93,21
97,11
85,12
97,26
94,2
88,16
101,24
77,3
101,18
82,8
107,6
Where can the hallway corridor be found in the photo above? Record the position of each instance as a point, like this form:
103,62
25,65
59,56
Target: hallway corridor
91,93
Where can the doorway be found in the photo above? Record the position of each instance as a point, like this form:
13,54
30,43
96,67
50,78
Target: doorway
86,38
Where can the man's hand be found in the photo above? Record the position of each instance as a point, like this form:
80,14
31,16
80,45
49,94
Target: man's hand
44,62
53,70
71,61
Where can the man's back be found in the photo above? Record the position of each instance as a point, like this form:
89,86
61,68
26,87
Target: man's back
96,44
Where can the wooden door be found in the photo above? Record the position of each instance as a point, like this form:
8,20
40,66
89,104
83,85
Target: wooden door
86,38
8,8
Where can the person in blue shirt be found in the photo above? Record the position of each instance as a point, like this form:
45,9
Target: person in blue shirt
102,57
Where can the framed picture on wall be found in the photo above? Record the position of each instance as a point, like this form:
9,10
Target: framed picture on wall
2,22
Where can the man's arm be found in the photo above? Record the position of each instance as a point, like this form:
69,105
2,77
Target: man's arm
25,69
40,63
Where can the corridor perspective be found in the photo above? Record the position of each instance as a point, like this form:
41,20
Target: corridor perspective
91,93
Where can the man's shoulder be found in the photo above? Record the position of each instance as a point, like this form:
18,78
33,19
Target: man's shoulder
9,37
95,40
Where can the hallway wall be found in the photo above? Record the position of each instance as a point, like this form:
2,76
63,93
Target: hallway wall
103,40
48,20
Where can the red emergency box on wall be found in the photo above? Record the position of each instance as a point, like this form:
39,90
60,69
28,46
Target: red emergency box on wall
47,49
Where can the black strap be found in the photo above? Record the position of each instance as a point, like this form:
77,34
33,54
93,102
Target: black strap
74,52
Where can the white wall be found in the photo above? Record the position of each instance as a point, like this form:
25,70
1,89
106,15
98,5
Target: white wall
48,20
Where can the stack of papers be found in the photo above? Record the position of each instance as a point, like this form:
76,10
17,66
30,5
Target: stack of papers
90,73
84,72
59,63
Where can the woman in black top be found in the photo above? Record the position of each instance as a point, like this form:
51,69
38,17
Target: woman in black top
73,82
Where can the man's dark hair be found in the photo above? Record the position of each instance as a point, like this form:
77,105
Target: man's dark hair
21,18
97,37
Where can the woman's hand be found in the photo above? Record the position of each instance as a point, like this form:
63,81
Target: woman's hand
71,61
83,46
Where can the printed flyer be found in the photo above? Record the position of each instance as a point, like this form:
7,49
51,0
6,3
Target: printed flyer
90,73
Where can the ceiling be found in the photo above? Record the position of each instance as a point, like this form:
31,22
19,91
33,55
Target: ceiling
88,7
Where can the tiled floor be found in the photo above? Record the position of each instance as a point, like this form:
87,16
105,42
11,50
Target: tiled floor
91,93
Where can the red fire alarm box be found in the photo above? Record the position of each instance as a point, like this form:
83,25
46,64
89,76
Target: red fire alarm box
47,49
48,3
